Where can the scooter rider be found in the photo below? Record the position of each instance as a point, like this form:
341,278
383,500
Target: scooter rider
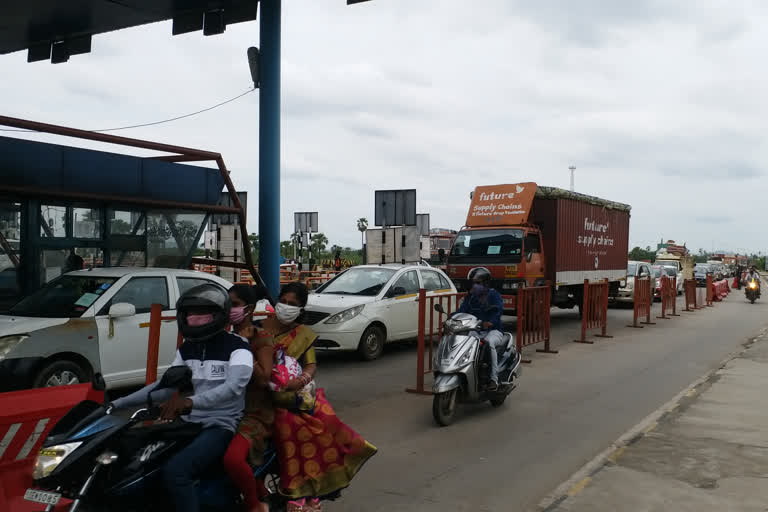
480,302
221,365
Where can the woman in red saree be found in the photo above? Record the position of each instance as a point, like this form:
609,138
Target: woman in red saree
318,454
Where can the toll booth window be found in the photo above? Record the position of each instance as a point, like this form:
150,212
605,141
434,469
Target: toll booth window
129,259
142,292
532,244
171,237
123,222
53,221
86,223
10,254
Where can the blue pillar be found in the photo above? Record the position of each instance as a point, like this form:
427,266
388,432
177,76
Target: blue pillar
269,145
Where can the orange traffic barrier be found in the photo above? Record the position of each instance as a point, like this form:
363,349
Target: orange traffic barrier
533,316
668,297
26,417
689,287
429,332
710,291
594,310
642,302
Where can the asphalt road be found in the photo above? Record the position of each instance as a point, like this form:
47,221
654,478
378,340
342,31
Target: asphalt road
569,407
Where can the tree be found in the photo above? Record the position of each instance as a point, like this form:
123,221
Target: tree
318,244
362,227
253,238
286,249
639,254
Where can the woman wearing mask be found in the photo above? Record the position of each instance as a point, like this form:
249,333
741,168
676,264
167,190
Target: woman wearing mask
318,454
248,445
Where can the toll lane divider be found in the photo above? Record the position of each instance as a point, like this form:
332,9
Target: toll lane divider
642,302
26,417
710,291
594,310
668,297
533,318
689,291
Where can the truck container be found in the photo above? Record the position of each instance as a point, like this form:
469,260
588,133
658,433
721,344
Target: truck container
527,235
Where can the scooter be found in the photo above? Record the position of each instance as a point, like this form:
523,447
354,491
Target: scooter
462,367
752,290
103,459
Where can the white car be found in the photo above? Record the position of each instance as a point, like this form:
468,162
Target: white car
366,306
92,321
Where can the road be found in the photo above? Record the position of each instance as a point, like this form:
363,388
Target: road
568,408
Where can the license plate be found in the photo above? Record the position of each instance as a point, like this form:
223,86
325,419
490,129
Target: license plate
47,498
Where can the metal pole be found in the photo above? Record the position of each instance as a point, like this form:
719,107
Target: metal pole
573,172
269,146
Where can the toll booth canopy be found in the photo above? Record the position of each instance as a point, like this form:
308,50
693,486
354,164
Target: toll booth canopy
64,207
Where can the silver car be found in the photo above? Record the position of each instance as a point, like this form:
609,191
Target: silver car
92,321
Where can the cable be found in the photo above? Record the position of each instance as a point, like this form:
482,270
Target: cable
152,123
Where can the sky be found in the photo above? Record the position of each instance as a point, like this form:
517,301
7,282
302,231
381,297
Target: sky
658,104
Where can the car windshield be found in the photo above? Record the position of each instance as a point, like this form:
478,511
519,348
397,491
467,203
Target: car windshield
656,271
66,297
670,271
488,246
359,281
700,269
632,269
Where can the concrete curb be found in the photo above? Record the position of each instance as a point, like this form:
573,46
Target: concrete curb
582,478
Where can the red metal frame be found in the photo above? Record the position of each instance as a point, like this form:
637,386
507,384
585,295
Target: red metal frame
533,318
710,291
594,310
689,287
642,302
178,154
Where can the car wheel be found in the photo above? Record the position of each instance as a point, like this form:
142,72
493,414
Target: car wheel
372,343
60,373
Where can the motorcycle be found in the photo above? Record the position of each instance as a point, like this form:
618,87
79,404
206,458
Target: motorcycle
462,367
752,290
103,459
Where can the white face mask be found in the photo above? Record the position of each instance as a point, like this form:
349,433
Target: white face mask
286,313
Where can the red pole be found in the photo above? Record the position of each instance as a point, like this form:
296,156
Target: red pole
585,313
648,301
153,344
546,317
603,304
420,344
710,290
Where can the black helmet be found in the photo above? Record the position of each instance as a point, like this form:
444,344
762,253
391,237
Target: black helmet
479,274
206,298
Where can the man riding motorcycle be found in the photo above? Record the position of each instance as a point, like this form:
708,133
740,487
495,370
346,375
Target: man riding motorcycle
753,275
487,305
221,365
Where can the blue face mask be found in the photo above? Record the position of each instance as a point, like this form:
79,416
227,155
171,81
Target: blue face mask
478,290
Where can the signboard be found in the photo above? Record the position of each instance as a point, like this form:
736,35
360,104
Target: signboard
305,222
422,222
229,219
395,208
393,245
501,205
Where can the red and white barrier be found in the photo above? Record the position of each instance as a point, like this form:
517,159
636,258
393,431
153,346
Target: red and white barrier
26,417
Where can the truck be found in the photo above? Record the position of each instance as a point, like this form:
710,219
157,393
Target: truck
527,235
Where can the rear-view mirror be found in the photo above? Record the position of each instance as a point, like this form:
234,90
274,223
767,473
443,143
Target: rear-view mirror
122,310
396,291
176,377
439,308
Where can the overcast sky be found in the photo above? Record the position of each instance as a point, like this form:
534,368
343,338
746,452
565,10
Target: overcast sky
658,105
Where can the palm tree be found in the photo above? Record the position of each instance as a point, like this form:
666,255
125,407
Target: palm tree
319,243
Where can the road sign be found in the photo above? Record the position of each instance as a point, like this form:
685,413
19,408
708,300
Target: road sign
305,222
395,208
422,222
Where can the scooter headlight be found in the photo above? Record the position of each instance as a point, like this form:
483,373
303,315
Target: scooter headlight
48,459
753,285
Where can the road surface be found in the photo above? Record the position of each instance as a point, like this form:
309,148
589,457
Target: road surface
568,408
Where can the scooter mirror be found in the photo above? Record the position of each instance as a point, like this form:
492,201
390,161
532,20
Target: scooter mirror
439,308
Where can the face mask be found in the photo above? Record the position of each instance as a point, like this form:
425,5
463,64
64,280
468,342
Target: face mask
199,320
286,313
479,290
237,315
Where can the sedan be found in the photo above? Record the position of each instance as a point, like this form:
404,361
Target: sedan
369,305
92,321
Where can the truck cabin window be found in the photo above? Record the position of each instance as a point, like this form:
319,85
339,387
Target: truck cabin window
488,246
532,246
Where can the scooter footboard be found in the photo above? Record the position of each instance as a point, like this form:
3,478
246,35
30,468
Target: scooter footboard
446,382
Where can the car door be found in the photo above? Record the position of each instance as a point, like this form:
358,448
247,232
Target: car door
123,341
402,308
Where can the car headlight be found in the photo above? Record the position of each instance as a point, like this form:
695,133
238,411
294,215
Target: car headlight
7,343
346,315
630,285
48,459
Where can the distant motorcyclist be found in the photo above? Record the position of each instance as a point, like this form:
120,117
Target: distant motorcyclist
486,304
222,365
753,275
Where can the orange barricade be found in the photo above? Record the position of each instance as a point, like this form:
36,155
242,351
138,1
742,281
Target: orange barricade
643,300
427,335
668,297
26,417
710,290
533,305
594,310
689,288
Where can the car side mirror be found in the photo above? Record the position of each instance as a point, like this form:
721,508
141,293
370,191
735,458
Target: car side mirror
439,308
528,256
396,291
122,310
176,377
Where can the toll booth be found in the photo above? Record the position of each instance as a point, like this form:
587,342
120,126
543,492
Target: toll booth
63,208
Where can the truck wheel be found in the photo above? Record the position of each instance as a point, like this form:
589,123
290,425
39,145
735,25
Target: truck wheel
444,407
372,343
60,373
